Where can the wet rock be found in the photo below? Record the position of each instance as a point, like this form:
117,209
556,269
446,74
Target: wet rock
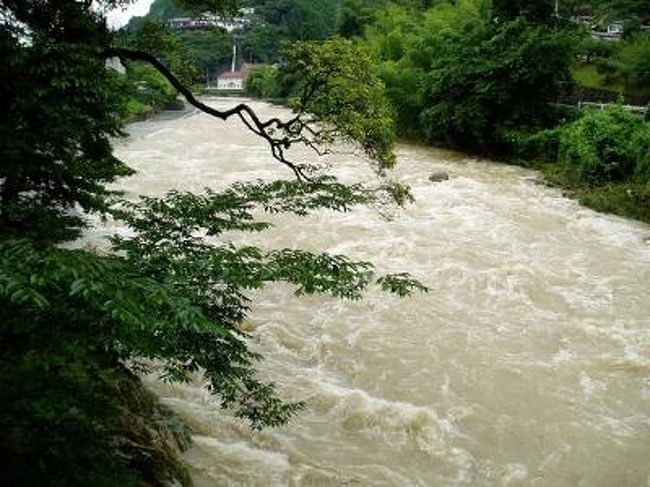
535,179
247,326
439,176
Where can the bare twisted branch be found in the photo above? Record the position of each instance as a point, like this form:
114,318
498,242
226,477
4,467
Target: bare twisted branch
263,128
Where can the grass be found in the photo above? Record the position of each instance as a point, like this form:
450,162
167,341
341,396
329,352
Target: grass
134,110
587,75
627,199
624,199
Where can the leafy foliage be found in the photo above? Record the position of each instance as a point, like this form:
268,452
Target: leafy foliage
491,81
162,10
157,40
264,82
335,82
74,323
148,88
461,75
631,200
356,15
263,43
536,11
64,400
629,64
206,49
279,21
600,157
60,109
396,39
299,19
275,22
174,296
605,146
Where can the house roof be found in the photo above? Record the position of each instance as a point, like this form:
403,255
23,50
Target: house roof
233,75
243,73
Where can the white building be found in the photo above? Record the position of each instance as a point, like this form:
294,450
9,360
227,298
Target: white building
613,32
232,81
207,20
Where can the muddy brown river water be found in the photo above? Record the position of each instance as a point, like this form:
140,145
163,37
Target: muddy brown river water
528,362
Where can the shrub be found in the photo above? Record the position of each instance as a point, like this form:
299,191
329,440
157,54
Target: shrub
605,146
263,82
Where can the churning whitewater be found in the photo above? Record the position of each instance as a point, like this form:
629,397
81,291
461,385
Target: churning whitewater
527,363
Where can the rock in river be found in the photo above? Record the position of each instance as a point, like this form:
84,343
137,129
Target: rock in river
439,176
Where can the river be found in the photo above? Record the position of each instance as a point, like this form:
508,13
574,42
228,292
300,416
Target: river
527,363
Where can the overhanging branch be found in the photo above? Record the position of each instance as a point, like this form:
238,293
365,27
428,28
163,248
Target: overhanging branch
294,126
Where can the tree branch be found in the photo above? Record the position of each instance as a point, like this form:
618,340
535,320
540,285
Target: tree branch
247,115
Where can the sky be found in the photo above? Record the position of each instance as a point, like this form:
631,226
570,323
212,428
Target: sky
120,16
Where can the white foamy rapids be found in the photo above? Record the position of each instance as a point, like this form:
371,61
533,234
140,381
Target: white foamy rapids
528,363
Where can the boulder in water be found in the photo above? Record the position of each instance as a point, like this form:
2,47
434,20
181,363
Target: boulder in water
439,176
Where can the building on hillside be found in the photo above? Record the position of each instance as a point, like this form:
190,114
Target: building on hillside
208,20
615,28
613,32
585,20
180,23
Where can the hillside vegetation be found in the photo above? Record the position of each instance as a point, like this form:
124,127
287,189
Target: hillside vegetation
495,79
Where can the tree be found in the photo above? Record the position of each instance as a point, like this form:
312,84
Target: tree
458,75
162,10
299,19
336,84
606,146
630,63
497,79
263,43
263,82
397,40
157,40
75,324
56,130
209,49
355,15
535,11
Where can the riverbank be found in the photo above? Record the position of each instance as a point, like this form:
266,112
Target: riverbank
137,111
628,200
625,199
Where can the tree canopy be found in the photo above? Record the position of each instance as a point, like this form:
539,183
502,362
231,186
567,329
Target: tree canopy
466,73
76,324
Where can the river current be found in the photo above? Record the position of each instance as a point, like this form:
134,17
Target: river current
527,363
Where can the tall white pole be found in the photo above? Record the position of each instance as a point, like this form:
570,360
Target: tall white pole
234,58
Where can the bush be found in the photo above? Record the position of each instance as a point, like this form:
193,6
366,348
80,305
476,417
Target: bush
630,200
605,146
542,146
263,82
149,86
